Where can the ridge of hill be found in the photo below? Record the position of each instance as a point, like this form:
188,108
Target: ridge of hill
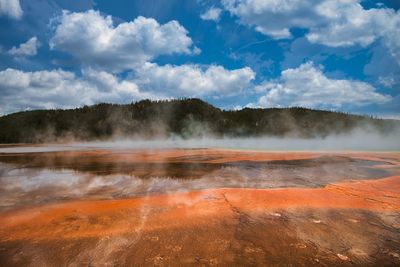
187,118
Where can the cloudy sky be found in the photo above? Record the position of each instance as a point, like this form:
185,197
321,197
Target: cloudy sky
325,54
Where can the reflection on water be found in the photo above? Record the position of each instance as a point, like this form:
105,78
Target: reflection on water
36,178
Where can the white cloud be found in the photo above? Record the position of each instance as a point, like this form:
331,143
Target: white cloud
21,90
11,8
62,89
387,81
25,49
391,34
96,42
271,17
193,80
307,86
213,14
332,23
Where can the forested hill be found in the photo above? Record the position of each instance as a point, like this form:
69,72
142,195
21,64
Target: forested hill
187,118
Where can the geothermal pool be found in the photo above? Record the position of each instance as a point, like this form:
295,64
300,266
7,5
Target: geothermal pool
99,205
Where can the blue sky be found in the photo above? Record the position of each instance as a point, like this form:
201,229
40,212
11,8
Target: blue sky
326,54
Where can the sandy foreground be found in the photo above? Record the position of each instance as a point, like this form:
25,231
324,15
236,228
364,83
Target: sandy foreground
229,208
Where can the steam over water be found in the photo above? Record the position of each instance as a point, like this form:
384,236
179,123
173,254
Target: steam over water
114,170
357,140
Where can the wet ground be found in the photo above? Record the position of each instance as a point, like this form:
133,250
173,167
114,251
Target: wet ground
135,207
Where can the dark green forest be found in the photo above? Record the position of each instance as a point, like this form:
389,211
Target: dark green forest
186,118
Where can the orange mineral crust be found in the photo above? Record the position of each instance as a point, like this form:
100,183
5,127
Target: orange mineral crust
93,218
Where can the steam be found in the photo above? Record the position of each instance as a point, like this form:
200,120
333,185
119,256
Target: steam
33,185
20,184
192,123
358,140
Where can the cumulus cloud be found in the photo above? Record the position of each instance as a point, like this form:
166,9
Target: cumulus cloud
21,90
11,8
213,14
94,40
391,35
193,80
307,86
332,23
62,89
25,49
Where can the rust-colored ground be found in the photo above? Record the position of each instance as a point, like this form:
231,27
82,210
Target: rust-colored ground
342,221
